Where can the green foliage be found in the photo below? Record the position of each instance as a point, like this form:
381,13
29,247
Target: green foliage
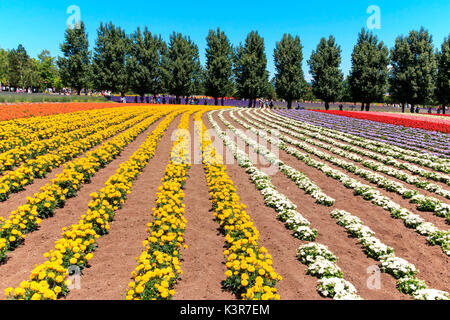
111,54
324,67
219,65
443,73
74,66
250,68
368,78
414,67
145,63
290,83
182,66
18,64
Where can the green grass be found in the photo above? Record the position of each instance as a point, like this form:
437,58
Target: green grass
41,97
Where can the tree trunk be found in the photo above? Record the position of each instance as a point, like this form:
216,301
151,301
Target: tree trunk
289,105
403,108
222,102
412,108
367,106
216,101
362,106
327,105
443,109
250,103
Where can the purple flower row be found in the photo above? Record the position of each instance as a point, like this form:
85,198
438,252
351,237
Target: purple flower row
435,143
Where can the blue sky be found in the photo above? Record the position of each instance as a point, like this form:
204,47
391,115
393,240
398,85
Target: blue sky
40,25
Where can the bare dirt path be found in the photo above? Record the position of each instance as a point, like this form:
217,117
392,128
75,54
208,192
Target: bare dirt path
203,262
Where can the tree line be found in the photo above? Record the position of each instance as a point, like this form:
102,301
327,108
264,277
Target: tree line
413,72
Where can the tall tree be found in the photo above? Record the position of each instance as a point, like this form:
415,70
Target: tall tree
18,63
3,67
368,77
414,68
75,63
48,70
290,82
219,65
443,75
145,62
250,70
109,64
183,66
324,64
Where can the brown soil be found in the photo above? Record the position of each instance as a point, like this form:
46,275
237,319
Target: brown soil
430,260
22,260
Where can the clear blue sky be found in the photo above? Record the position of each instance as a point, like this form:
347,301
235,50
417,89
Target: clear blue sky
40,25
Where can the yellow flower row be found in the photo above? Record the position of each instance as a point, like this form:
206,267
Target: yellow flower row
158,266
15,181
20,132
250,274
28,217
80,127
49,280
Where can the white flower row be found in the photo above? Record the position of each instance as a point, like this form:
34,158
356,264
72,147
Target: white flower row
287,211
369,193
388,158
426,185
399,268
302,181
321,263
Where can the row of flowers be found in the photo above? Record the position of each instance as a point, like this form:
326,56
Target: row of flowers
300,179
414,221
335,287
423,203
321,263
415,140
20,132
334,147
78,242
286,210
158,266
400,269
250,274
65,185
421,159
15,181
79,127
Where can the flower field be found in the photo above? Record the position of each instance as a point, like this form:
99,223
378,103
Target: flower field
177,202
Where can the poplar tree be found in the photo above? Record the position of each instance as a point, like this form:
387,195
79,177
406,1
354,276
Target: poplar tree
414,68
75,63
219,65
290,83
443,74
368,77
324,64
250,70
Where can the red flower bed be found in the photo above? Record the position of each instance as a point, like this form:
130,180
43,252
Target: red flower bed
412,121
